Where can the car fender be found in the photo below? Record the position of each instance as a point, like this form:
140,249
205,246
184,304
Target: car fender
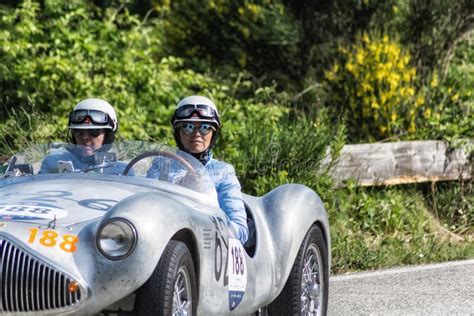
289,211
157,217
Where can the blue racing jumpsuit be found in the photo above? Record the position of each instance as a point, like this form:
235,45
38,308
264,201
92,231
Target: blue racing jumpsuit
228,192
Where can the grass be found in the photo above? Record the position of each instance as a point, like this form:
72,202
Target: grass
375,228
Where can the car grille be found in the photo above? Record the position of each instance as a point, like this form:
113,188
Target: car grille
29,285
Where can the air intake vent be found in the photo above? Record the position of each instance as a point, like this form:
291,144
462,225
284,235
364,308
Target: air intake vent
29,285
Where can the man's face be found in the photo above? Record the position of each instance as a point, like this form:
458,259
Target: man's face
196,137
91,139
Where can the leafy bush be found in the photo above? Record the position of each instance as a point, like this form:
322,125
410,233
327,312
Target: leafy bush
281,147
374,84
259,36
449,108
68,51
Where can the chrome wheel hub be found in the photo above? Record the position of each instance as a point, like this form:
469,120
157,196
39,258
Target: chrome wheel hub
312,282
182,300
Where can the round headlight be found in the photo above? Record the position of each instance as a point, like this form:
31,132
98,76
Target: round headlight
116,238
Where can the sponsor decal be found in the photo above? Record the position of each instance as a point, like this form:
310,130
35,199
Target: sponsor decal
30,211
237,268
230,266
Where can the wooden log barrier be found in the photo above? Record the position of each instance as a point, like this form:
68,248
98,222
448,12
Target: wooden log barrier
401,162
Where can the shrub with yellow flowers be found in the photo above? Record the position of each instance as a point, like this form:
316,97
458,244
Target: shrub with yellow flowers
374,83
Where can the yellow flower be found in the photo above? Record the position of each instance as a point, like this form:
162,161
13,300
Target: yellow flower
366,87
350,67
434,81
420,101
427,113
393,117
455,97
360,56
395,9
379,75
374,105
332,73
365,38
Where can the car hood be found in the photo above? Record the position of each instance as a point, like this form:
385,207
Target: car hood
64,201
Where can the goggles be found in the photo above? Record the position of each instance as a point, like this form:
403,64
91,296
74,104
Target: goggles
202,110
97,117
204,128
94,132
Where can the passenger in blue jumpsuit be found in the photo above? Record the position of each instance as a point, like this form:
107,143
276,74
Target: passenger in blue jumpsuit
92,124
196,124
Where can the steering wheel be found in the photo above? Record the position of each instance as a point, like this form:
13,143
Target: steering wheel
163,153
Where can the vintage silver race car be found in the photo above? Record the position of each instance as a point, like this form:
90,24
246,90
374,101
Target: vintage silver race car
106,239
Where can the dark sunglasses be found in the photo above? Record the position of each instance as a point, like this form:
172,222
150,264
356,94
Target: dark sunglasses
204,129
202,110
92,132
97,117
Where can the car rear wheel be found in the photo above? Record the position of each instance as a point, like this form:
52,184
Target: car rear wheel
171,289
307,287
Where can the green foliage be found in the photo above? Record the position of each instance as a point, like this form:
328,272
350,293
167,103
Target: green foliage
68,51
374,84
453,204
449,108
432,29
258,35
26,128
292,151
328,24
372,228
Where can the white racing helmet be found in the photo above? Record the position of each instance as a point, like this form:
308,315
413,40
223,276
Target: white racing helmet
201,109
93,114
196,108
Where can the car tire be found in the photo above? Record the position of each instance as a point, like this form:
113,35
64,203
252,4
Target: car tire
172,288
306,291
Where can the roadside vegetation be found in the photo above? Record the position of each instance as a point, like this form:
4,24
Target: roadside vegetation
293,82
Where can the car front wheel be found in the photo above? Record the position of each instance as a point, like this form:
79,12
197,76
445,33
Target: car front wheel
307,287
171,289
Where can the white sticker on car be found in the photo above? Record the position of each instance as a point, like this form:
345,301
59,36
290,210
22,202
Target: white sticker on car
237,268
30,212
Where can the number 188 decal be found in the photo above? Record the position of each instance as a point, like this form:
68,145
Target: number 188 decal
237,268
50,238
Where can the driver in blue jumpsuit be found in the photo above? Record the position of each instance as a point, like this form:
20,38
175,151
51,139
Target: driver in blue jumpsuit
196,124
92,124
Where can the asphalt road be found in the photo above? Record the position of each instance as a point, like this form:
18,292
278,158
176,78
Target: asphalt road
437,289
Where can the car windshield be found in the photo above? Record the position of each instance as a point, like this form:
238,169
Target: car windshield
124,160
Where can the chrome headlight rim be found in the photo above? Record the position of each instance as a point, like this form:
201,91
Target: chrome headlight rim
134,235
